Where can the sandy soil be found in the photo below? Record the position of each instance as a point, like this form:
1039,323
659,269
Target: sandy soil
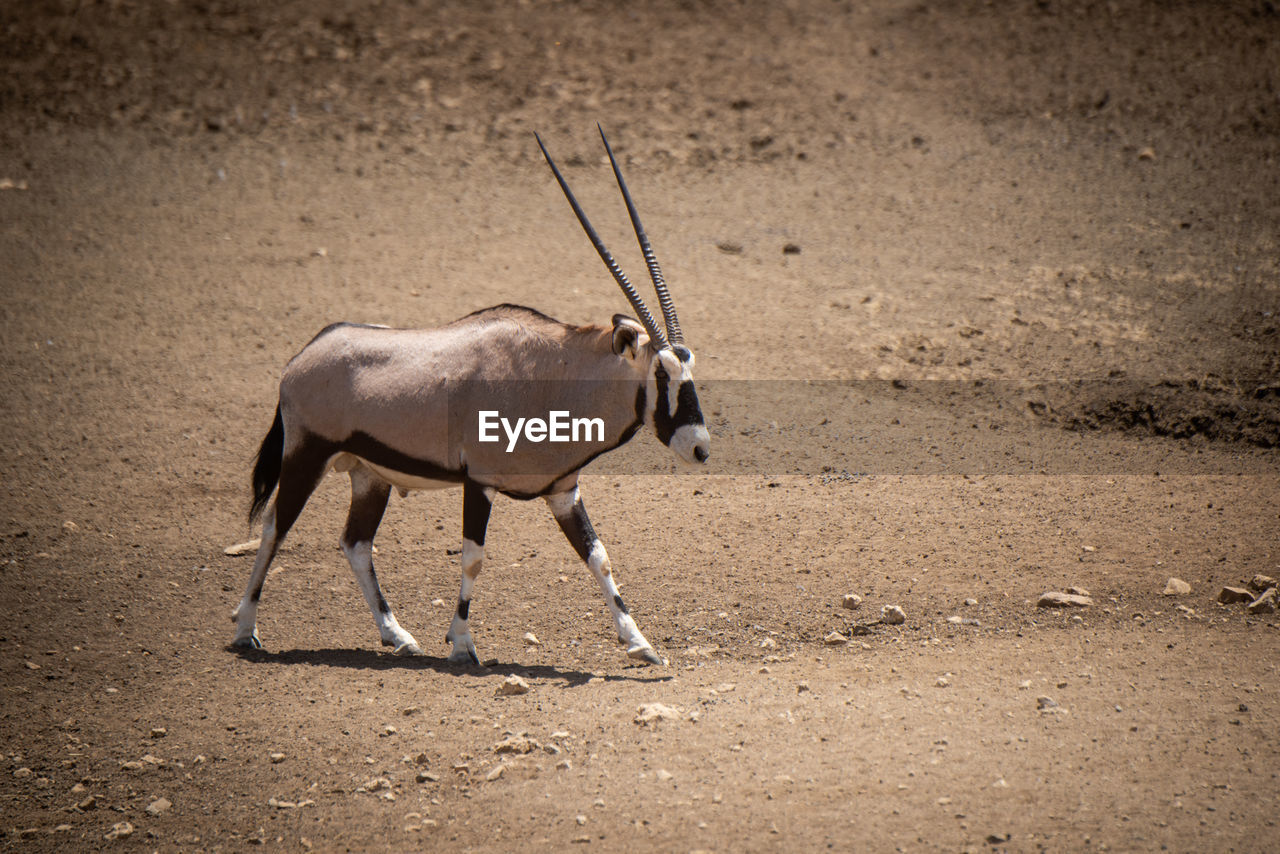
984,300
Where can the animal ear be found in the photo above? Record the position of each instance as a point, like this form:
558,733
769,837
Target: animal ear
626,335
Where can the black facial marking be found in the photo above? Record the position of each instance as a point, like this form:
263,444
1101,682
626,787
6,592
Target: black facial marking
464,608
688,411
622,606
475,512
682,352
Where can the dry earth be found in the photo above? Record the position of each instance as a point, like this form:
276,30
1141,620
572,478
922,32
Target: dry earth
984,298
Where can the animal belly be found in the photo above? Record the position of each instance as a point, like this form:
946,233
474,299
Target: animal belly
402,481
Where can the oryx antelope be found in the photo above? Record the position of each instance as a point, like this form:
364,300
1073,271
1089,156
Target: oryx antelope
398,408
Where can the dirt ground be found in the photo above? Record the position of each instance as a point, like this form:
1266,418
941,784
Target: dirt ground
984,298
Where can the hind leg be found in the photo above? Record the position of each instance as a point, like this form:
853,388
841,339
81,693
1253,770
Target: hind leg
369,494
300,472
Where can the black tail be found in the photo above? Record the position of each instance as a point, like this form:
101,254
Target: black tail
266,467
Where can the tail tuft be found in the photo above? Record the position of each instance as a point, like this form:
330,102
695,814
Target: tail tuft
266,467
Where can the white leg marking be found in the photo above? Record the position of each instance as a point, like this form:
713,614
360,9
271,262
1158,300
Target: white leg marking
360,556
464,648
245,615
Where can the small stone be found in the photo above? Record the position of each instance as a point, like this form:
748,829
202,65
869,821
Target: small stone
955,620
1046,704
276,758
1260,583
651,714
1264,604
1176,587
427,777
245,548
120,830
1078,591
159,806
22,772
1147,153
377,784
520,744
530,639
388,730
971,602
159,732
43,782
1064,600
892,615
663,775
768,643
943,682
70,527
496,773
512,686
1234,596
89,803
581,820
851,601
802,687
835,639
564,765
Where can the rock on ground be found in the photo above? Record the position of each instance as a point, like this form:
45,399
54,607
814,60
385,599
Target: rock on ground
1053,599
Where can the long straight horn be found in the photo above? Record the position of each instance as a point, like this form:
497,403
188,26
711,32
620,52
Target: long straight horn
650,325
655,273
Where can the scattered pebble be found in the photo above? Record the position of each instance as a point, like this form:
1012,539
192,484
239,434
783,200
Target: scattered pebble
377,784
892,615
241,549
531,639
1264,604
1234,596
564,765
120,830
22,772
512,686
835,639
520,744
427,777
159,806
495,773
942,682
971,602
1176,587
159,732
276,758
650,714
1046,704
1147,153
388,730
1260,583
1054,599
663,775
851,601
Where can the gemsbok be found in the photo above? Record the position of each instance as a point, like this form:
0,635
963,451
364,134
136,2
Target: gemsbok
430,409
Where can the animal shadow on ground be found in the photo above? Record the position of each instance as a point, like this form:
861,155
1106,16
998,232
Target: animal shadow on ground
367,659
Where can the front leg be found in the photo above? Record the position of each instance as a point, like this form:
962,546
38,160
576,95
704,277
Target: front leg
476,503
572,517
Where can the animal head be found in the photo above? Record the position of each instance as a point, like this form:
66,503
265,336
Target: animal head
671,401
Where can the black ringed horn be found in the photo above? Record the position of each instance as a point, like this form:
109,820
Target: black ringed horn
650,325
650,260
